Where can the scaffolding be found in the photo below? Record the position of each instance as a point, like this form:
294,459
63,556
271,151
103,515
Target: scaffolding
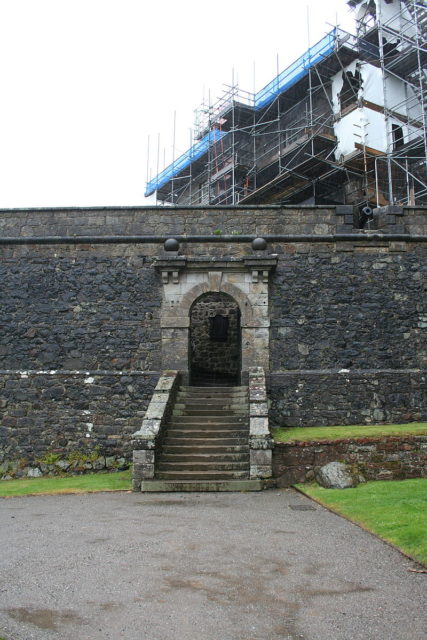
284,144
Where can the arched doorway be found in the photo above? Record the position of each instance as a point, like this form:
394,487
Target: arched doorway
215,340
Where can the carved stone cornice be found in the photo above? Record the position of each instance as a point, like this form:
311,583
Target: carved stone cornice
259,266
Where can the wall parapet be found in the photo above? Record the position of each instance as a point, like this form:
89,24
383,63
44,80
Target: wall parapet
213,224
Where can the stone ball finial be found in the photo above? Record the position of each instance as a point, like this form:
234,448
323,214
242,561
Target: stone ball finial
171,244
259,244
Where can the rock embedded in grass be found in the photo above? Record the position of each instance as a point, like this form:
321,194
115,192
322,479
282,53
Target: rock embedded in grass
337,475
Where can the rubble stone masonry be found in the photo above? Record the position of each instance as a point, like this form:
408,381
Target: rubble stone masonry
347,317
390,458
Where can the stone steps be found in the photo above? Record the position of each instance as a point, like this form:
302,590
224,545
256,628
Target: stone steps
207,438
225,420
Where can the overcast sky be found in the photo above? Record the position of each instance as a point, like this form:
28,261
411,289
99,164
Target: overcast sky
85,82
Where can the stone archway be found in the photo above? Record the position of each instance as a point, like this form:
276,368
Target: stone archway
244,279
215,340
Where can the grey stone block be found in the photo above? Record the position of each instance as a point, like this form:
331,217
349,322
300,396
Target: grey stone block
166,382
143,471
258,408
261,457
342,209
260,471
258,426
143,457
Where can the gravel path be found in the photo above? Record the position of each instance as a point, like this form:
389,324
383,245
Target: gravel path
254,566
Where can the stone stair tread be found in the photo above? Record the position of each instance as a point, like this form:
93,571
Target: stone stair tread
200,435
184,459
212,426
209,419
203,466
196,454
201,486
202,475
198,442
234,398
197,411
195,397
207,437
208,434
203,409
204,450
202,400
210,389
202,425
213,394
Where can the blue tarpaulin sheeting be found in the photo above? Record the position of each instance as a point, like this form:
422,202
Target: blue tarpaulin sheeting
278,85
296,70
184,161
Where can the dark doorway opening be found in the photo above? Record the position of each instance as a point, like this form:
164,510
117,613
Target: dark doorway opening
397,133
215,341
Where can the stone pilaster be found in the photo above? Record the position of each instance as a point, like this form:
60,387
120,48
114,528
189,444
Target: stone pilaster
260,441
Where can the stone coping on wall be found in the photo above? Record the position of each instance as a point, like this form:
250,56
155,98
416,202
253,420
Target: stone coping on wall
145,441
344,372
273,374
73,372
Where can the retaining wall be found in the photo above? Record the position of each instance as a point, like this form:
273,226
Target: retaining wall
387,458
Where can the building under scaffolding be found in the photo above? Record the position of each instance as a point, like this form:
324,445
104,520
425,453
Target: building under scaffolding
344,124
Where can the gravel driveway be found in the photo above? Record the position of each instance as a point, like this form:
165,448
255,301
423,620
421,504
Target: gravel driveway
239,566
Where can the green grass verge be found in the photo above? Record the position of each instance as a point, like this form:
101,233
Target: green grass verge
120,481
394,510
306,434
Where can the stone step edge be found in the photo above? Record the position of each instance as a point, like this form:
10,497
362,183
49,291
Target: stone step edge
204,486
227,388
204,467
230,474
204,457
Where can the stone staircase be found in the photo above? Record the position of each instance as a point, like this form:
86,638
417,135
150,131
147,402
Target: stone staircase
205,443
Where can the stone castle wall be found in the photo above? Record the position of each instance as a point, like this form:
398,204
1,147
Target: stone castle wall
72,416
348,318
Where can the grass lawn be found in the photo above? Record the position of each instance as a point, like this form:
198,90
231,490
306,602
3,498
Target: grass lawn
120,481
305,434
394,510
